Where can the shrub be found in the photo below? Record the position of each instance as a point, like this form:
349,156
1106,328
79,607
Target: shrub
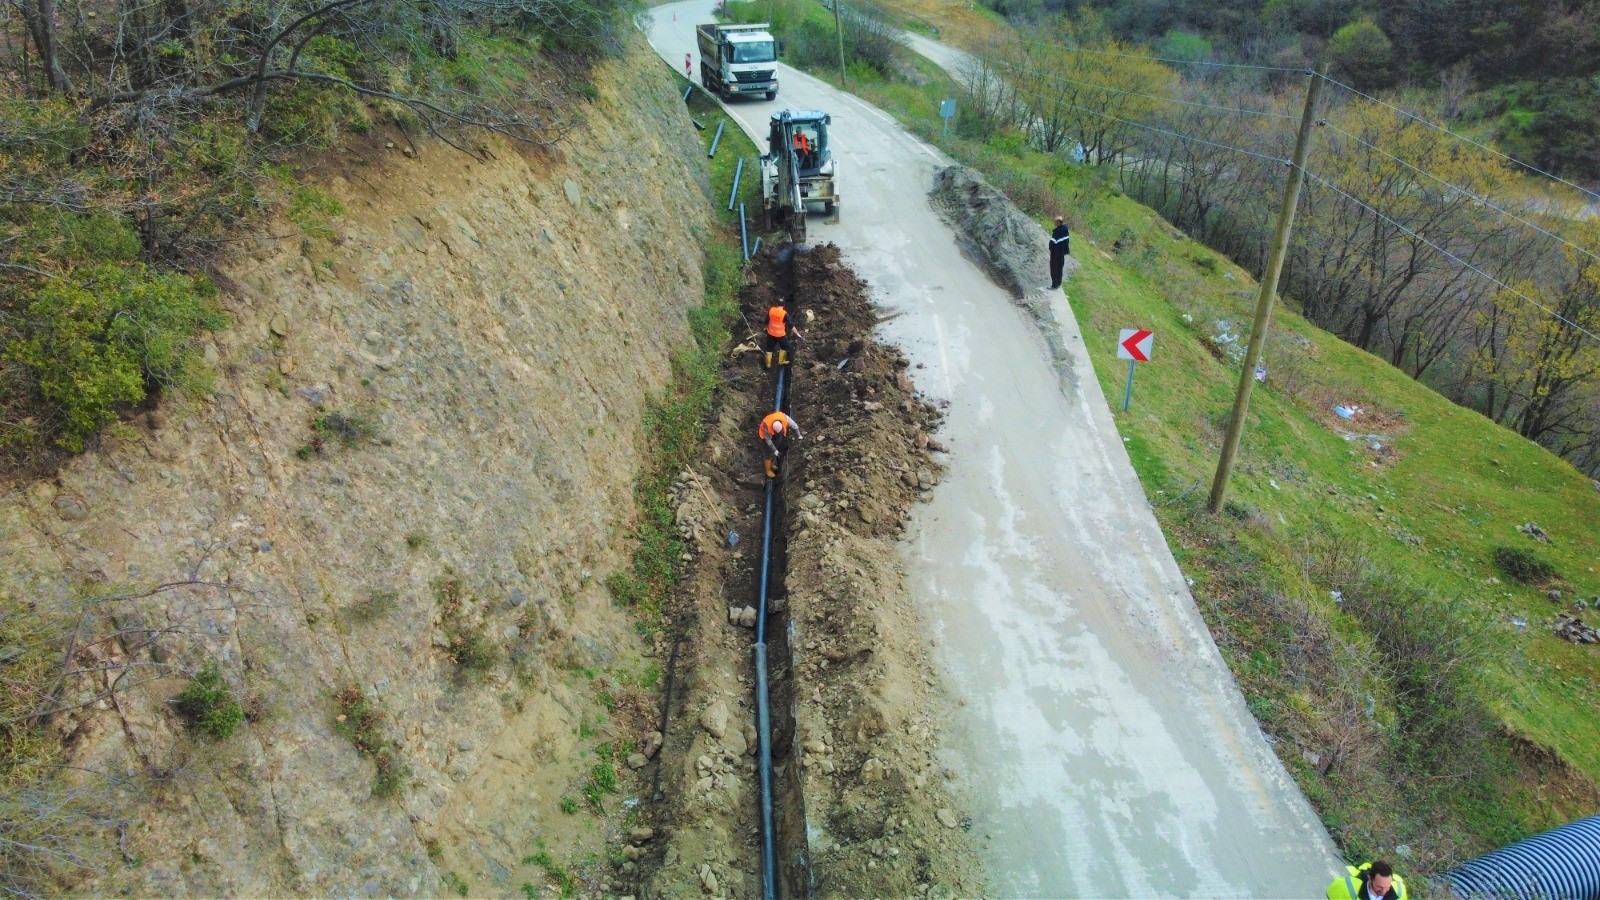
363,724
1522,566
100,339
347,430
207,705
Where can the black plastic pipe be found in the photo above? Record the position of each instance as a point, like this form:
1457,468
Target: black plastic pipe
715,140
769,837
734,194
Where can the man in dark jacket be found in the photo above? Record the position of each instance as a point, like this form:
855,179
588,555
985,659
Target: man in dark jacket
1060,247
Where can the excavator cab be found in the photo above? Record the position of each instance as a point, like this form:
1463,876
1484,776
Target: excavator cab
798,169
806,133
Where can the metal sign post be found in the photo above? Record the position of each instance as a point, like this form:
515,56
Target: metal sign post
947,111
1133,345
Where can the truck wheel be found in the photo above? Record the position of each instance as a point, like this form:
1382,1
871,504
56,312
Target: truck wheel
828,207
772,95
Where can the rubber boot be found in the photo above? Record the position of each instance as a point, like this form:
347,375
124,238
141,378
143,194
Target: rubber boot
772,467
768,357
783,357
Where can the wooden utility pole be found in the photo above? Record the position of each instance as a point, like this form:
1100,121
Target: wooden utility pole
838,27
1269,293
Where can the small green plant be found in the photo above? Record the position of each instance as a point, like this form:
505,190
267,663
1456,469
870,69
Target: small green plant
555,870
416,540
454,882
569,804
349,431
304,452
207,705
604,775
373,606
362,723
467,644
1522,566
608,701
529,891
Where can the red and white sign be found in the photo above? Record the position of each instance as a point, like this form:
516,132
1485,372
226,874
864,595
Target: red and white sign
1134,344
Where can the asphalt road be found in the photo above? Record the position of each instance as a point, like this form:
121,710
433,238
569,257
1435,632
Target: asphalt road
1102,744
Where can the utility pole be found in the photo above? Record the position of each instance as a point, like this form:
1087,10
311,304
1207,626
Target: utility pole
1269,293
838,28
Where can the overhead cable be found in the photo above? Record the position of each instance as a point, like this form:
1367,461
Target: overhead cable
1463,191
1446,253
1460,137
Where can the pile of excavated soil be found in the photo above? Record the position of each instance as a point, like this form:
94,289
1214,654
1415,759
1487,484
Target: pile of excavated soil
997,235
861,746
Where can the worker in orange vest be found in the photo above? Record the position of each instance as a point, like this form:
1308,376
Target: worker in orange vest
779,333
778,432
802,147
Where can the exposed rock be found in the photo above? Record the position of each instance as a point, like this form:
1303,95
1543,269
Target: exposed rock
641,835
947,817
70,508
638,760
715,719
1571,628
651,744
872,771
708,878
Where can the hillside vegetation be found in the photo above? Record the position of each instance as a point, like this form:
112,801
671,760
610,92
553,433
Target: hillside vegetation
1521,71
136,140
1372,583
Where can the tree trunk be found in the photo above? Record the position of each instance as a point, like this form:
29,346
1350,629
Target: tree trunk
40,16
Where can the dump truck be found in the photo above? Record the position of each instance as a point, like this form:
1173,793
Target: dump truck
738,60
798,169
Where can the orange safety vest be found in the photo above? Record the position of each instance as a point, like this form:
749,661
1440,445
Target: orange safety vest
777,321
801,143
774,423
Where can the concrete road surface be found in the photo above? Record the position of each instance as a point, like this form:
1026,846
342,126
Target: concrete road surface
1103,746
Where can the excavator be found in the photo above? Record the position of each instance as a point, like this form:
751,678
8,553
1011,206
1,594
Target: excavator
797,169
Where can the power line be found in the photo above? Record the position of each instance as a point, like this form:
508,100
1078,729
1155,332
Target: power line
1446,253
1463,191
1060,79
1460,137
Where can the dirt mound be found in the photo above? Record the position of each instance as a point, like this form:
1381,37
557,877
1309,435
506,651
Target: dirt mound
1009,245
854,736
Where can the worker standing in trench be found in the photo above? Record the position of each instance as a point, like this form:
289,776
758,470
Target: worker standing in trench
780,334
778,432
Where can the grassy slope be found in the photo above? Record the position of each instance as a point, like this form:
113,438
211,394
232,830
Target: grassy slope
1450,488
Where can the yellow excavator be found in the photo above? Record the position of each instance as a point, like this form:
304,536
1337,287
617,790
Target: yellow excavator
798,169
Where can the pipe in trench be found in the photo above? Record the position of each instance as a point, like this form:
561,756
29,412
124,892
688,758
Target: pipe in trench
769,839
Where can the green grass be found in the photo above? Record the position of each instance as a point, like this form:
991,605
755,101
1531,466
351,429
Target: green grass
554,870
1407,535
675,420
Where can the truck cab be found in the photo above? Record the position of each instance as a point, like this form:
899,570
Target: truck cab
738,60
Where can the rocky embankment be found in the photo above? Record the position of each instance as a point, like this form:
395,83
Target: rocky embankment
414,472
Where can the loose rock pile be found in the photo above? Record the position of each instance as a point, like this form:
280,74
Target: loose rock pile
1572,628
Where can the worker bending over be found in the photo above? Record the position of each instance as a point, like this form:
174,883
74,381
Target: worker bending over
778,432
780,334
